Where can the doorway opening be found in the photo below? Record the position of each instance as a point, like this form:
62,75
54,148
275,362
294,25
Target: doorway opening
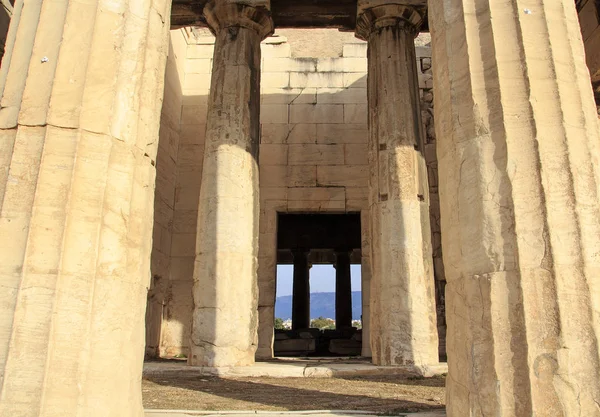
318,305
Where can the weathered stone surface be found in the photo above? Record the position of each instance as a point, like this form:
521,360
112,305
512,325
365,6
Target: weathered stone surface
589,18
403,324
335,178
517,134
159,291
76,204
225,318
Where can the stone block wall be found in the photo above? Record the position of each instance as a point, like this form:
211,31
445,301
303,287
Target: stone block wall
313,158
425,66
161,300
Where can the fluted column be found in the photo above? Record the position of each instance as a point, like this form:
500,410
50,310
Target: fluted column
301,291
225,318
403,321
343,290
518,148
82,86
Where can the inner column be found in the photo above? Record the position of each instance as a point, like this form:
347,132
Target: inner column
301,291
224,329
343,290
403,317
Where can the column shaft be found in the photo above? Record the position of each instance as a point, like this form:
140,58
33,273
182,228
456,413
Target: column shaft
518,148
301,292
267,286
225,318
78,138
403,321
343,291
365,285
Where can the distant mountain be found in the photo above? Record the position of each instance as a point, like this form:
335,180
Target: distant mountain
322,304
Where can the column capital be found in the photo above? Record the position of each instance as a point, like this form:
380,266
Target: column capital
256,16
376,14
300,252
343,252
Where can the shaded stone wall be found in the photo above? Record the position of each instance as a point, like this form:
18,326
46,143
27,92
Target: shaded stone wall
313,152
589,19
434,209
313,158
159,312
6,11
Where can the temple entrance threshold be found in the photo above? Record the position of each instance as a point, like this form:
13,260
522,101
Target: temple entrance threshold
292,385
316,413
290,367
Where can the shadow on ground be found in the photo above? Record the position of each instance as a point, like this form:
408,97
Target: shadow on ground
382,394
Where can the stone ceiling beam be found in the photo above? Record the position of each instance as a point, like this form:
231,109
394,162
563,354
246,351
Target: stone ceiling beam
340,14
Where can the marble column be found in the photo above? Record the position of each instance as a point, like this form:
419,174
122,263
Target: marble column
82,86
301,291
518,147
403,320
343,290
225,316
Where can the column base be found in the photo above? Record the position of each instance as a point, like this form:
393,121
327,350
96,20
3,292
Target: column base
220,357
264,353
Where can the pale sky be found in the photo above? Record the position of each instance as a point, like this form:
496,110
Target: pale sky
322,279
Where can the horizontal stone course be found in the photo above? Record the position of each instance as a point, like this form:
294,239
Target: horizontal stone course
195,82
198,66
342,133
274,113
313,154
191,115
346,175
316,113
273,154
355,113
289,64
276,51
316,79
354,80
341,95
289,95
200,51
356,154
355,50
192,134
276,80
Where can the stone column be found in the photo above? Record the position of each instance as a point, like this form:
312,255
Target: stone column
267,282
82,86
518,146
301,291
366,306
365,285
343,290
403,321
225,317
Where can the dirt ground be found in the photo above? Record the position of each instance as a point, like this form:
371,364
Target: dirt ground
383,394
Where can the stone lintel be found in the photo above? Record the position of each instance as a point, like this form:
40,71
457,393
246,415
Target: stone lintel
228,14
376,14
